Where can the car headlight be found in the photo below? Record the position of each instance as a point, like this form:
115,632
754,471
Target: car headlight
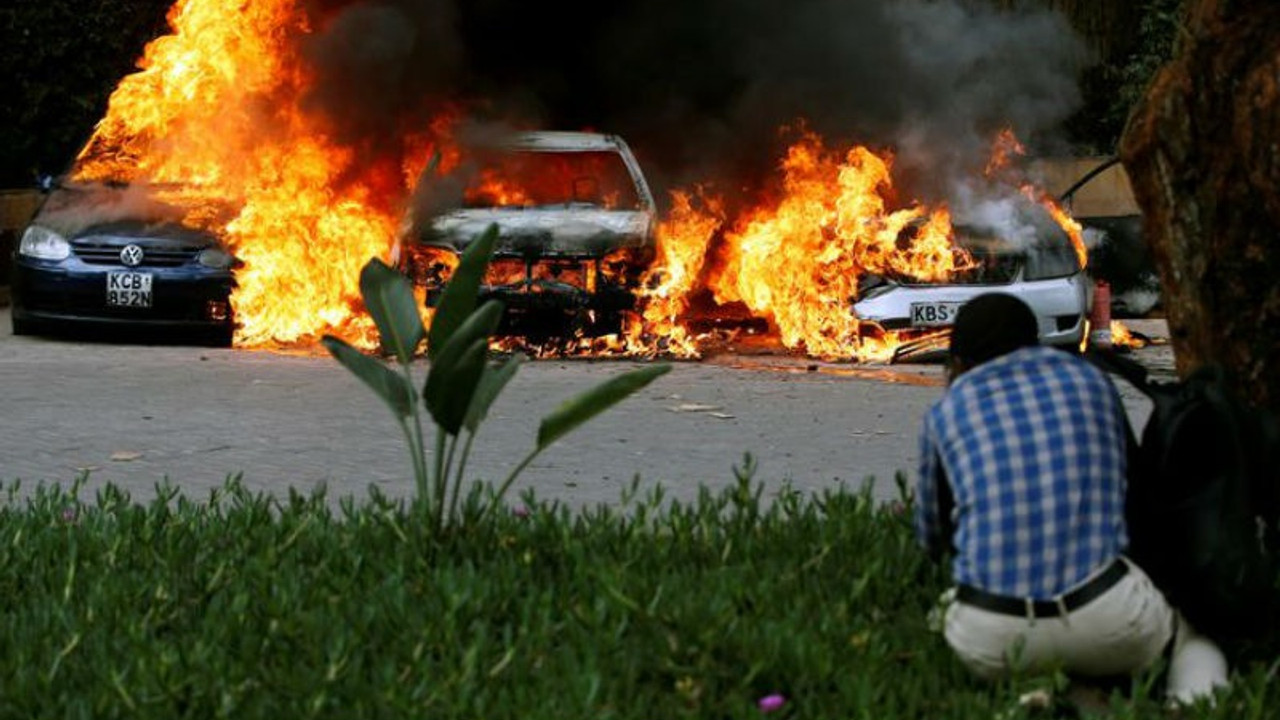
215,258
43,243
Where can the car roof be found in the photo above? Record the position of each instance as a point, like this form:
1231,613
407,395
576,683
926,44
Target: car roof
564,141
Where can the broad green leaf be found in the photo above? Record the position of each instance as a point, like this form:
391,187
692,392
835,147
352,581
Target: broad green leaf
454,374
389,297
479,325
391,386
492,381
449,399
587,405
459,299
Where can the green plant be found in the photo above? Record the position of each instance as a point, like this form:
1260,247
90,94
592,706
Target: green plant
461,383
680,604
1157,39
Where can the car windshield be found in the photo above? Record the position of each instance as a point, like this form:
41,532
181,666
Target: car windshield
541,178
992,264
997,261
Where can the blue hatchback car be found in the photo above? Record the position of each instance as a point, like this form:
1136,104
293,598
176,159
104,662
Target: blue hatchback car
108,258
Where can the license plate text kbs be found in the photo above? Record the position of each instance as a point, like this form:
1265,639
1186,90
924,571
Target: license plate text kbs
934,314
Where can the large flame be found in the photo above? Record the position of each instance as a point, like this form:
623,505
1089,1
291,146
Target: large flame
215,118
683,239
216,122
796,259
798,262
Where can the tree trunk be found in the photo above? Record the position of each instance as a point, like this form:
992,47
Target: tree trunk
1203,153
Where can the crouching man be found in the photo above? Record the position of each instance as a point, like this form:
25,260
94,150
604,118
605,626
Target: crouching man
1022,480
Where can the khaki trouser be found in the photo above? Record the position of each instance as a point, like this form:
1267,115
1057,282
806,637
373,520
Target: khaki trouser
1120,632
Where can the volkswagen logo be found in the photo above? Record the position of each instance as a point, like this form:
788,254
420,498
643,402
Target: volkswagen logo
131,255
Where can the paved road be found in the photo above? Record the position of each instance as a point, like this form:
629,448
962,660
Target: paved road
134,415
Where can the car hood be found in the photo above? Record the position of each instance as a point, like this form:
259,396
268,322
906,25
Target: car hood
124,214
139,231
551,231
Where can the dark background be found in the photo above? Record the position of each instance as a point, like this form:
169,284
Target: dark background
699,87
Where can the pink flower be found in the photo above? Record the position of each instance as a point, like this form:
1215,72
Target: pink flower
769,703
68,515
520,511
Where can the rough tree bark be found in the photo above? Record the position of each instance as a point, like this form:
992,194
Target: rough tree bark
1203,154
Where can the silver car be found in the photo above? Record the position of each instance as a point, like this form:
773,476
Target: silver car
1033,259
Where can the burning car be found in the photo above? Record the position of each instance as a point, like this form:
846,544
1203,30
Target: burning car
575,219
1032,258
109,255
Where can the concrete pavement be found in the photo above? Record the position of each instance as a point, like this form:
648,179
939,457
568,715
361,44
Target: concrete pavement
135,415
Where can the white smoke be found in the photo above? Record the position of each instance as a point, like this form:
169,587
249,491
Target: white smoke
973,71
1002,211
77,207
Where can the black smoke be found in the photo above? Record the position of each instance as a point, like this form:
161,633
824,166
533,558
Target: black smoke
700,88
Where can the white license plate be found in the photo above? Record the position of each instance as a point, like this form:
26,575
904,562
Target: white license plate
129,289
934,314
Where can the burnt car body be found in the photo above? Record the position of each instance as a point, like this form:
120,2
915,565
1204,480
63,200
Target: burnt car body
1036,263
575,221
101,257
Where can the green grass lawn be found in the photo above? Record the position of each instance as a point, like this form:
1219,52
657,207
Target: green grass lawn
246,607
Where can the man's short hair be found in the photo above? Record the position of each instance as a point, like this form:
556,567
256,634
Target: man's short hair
992,325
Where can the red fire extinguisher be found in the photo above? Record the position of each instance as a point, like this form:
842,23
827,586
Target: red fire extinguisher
1100,317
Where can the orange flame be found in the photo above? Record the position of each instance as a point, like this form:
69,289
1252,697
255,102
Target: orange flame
683,239
1005,148
1073,228
1121,336
512,180
796,261
214,121
497,191
215,115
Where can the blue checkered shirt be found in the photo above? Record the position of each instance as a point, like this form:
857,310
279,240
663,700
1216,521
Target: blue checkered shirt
1032,445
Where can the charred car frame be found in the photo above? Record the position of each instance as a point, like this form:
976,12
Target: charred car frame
575,221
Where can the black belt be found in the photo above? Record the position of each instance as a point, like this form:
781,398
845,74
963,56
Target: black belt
1023,607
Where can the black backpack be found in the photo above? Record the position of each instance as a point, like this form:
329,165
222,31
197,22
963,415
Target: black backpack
1203,504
